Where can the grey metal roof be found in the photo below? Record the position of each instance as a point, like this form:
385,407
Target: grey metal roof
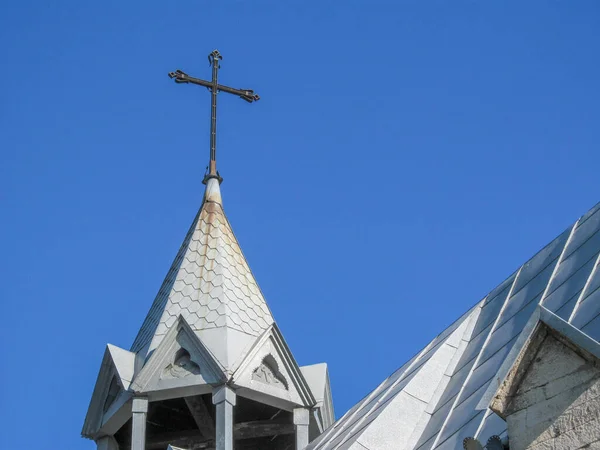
212,287
442,395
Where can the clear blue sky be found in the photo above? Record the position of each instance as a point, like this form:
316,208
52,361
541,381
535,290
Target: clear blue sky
405,157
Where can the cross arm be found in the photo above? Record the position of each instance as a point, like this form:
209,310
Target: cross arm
245,94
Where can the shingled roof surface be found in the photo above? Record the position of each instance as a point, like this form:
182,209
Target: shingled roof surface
209,284
442,395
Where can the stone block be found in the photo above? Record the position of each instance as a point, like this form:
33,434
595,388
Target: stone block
549,409
582,376
526,399
569,420
548,445
517,426
579,437
544,433
554,361
592,392
575,417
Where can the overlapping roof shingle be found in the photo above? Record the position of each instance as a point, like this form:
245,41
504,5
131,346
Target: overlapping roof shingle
209,284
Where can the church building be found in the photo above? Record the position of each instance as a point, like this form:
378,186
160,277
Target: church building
210,369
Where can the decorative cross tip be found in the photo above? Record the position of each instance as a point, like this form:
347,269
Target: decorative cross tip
249,95
214,55
180,76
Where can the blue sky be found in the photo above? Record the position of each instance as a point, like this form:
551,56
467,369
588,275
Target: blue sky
404,158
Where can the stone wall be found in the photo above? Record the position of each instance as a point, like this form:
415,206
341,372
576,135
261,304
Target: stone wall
557,404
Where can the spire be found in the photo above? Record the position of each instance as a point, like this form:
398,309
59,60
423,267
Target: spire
208,331
211,286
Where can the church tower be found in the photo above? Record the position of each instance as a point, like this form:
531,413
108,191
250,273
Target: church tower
209,368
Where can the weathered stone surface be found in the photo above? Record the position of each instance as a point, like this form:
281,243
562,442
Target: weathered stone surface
579,437
582,376
553,362
557,404
548,445
529,398
517,424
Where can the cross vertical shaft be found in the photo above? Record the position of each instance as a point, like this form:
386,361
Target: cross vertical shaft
214,59
214,86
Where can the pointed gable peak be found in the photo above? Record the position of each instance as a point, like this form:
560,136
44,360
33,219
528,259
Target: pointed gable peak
211,286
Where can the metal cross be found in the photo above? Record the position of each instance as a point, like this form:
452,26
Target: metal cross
214,87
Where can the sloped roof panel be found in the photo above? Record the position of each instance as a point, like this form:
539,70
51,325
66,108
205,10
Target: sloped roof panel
564,277
211,286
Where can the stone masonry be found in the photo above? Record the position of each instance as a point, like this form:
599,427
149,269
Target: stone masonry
557,404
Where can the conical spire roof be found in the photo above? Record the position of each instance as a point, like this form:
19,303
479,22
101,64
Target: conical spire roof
211,286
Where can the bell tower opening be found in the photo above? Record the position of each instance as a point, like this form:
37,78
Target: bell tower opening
171,422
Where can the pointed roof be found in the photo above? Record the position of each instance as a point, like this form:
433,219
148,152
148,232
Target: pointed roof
442,395
116,371
211,286
551,339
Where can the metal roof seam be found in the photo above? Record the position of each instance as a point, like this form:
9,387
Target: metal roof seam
560,259
436,441
485,416
585,287
466,423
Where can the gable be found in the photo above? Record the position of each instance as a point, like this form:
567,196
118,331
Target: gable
557,368
553,350
180,366
110,392
269,374
551,395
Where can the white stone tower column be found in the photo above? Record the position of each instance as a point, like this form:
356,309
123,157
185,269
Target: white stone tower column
301,421
224,398
138,429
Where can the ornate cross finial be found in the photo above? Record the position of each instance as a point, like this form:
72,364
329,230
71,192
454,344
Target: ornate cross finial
246,94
